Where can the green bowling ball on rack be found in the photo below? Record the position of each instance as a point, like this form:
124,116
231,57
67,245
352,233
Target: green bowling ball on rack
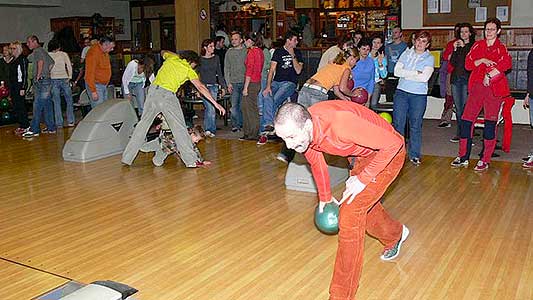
4,104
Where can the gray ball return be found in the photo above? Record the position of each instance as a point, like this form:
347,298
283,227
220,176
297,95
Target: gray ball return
104,132
299,177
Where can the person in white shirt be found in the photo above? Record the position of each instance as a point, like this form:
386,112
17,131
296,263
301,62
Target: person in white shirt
134,79
61,74
331,53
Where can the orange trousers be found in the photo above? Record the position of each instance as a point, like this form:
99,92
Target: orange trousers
364,214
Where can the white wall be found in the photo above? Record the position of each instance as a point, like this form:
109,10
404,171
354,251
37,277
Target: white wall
16,23
521,14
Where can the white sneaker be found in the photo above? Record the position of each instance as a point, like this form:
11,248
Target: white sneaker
29,134
209,134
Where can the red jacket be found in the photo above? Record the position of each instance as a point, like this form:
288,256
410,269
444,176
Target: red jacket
446,55
498,54
345,128
254,64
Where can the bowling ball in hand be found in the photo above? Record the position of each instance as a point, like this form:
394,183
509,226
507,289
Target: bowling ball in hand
362,96
328,221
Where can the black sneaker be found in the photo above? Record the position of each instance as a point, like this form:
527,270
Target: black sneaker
235,129
444,125
527,158
416,161
455,139
459,163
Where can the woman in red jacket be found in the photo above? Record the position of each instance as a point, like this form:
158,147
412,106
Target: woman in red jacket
487,87
252,86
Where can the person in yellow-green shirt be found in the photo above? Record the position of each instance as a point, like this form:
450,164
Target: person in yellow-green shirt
175,71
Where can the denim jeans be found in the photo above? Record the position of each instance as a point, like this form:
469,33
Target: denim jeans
376,94
210,113
58,86
460,95
308,96
42,105
410,106
236,101
101,90
137,90
260,105
280,92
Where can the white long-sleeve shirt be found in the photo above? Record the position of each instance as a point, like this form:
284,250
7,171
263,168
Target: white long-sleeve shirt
131,72
62,66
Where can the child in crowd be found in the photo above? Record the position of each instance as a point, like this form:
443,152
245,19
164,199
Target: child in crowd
161,141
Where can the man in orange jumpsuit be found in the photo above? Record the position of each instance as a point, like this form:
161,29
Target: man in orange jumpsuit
348,129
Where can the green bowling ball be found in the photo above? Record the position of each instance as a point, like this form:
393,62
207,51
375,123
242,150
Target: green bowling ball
328,221
386,116
6,117
4,104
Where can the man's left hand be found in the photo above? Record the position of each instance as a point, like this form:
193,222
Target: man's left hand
353,187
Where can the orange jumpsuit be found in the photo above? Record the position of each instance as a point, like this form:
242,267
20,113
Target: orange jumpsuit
348,129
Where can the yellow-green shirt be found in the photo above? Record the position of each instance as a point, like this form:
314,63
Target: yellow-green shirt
174,72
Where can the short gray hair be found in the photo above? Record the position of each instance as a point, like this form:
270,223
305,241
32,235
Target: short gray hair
292,111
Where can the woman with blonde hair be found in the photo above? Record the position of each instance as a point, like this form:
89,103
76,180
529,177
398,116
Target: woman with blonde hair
18,83
332,76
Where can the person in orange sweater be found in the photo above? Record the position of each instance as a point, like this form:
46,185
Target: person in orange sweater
487,88
349,129
98,70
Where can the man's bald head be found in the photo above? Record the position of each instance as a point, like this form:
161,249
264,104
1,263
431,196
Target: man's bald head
294,112
294,125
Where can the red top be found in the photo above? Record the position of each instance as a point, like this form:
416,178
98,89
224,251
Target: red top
345,128
498,54
254,64
447,54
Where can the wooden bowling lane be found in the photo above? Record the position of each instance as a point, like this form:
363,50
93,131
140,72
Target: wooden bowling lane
234,232
20,282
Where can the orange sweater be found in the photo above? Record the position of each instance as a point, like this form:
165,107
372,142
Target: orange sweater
345,128
97,67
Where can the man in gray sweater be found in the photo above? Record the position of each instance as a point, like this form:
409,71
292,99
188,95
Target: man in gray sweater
234,70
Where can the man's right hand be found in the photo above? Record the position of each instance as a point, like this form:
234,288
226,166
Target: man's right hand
267,91
230,88
322,204
94,96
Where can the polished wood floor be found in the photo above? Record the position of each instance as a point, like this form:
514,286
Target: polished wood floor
234,232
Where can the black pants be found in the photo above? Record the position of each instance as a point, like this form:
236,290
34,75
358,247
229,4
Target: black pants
390,87
19,105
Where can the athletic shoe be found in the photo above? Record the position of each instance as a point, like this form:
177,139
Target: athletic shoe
444,125
48,131
481,166
392,253
209,134
29,134
455,139
235,129
416,161
282,158
269,130
528,165
262,140
244,138
159,158
527,158
71,125
459,163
